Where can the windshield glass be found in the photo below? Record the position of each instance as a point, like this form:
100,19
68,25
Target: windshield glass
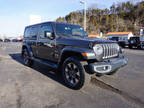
70,30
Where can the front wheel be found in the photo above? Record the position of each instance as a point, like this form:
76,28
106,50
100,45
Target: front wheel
74,74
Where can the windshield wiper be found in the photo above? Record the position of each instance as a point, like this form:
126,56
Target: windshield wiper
64,34
76,35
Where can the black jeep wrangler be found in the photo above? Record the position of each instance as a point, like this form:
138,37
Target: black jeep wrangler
136,42
67,48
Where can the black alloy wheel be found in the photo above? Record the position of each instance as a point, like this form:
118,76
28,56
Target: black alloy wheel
74,73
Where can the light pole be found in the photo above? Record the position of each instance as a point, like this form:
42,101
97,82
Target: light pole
84,3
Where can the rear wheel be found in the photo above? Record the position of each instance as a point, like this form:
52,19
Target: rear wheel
26,58
74,74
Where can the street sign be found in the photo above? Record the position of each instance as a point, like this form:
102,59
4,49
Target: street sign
141,34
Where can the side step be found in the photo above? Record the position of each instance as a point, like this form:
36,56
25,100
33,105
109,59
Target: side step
47,63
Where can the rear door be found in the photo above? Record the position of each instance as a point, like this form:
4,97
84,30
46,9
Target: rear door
30,37
33,42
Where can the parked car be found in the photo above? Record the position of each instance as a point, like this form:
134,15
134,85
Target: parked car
15,40
68,49
114,39
1,40
123,42
136,42
21,40
7,40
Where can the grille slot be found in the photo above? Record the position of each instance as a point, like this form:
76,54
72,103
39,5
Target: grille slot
110,50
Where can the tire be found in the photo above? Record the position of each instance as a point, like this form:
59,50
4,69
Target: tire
142,46
26,58
74,74
139,47
130,46
123,46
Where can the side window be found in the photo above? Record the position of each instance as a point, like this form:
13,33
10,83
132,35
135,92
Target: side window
34,32
44,29
27,33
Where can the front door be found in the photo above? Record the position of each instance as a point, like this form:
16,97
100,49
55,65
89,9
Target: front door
46,47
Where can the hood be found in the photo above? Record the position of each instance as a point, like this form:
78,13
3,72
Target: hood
85,42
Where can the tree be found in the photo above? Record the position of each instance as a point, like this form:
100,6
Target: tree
125,16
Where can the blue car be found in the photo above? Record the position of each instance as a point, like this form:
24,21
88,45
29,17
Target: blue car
15,40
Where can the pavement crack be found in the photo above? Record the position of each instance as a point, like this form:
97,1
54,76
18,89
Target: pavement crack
55,105
19,97
125,95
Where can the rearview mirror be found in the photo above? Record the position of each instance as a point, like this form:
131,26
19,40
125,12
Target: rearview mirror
49,35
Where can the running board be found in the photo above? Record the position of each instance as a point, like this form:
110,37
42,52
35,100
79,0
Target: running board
47,63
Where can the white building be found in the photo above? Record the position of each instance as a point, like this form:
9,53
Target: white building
120,35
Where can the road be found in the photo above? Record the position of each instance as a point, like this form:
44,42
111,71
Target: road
40,87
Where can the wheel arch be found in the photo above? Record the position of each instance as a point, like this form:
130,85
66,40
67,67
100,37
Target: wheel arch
69,53
25,46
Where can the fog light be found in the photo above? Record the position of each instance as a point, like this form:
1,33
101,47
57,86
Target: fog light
103,68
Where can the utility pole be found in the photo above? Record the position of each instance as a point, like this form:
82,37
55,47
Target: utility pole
84,3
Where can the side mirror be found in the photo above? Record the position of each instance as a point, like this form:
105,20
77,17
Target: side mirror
49,35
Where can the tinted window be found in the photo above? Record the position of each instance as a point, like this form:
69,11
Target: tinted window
27,33
44,29
34,32
136,38
70,30
123,38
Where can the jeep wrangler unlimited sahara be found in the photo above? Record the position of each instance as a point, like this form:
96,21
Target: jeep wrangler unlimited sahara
67,48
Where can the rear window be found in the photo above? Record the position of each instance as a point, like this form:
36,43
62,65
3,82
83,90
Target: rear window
34,32
31,32
27,32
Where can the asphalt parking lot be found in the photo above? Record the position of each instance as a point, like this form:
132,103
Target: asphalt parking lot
40,87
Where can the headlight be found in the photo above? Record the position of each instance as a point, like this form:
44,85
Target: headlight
98,49
118,47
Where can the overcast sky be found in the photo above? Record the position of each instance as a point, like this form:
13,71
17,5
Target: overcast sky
14,14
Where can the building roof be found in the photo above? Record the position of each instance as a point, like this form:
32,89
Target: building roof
96,35
118,33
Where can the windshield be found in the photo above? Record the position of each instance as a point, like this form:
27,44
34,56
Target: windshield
70,30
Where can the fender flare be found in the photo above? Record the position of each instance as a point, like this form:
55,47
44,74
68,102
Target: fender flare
74,50
28,48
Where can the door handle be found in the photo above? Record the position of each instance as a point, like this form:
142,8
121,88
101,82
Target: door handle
49,44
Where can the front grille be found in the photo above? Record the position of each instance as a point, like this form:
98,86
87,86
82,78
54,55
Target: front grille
110,50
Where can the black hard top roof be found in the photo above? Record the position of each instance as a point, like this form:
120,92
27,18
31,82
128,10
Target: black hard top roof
50,22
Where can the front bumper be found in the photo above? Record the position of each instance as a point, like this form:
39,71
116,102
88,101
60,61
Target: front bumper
108,66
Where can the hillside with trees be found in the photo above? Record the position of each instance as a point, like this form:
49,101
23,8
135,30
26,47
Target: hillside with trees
121,17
